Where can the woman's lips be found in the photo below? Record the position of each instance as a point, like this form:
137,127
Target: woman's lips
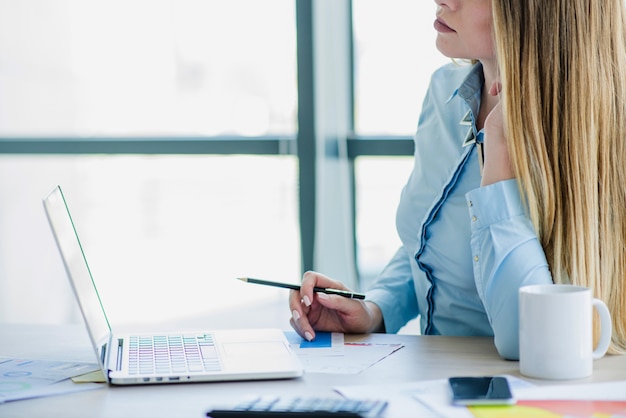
440,26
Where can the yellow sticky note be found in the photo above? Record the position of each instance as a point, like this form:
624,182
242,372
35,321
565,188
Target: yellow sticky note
92,377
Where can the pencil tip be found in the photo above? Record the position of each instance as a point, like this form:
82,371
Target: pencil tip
243,279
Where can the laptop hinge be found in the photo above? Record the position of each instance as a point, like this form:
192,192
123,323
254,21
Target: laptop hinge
120,351
103,353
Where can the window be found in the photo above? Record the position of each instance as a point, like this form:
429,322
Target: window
176,126
147,67
394,55
166,235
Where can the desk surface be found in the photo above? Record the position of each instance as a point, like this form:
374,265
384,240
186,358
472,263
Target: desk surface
422,358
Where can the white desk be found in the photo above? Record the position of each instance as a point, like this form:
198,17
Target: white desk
422,358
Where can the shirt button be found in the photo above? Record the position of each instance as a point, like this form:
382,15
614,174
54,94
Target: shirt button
476,258
474,218
470,203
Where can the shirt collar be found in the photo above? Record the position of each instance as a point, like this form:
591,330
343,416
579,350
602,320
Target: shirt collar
470,92
471,87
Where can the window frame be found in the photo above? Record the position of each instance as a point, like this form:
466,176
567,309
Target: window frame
306,144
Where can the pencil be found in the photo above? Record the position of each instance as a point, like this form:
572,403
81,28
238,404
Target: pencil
329,291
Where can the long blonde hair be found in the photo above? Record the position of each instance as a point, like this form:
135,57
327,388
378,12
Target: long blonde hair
562,65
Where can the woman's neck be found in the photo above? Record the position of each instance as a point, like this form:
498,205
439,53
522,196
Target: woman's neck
487,101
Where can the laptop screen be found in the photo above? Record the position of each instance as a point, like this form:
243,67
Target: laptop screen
77,268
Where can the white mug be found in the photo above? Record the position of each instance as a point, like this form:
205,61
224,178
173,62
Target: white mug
556,331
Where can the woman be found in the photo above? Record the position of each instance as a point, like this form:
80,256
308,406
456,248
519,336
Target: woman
529,141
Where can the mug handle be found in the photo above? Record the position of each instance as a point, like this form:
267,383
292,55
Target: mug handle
606,329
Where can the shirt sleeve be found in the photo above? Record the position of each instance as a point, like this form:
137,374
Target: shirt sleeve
507,255
394,293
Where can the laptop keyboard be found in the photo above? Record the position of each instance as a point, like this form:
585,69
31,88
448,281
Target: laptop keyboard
162,354
269,406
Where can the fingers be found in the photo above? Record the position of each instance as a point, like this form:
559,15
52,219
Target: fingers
349,314
312,279
310,309
297,311
299,320
326,313
296,323
335,302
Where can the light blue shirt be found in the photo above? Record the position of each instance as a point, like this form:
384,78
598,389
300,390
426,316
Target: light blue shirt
466,249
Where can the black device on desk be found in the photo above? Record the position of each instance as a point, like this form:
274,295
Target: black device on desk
486,390
299,407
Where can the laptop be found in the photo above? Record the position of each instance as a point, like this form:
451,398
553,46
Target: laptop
142,358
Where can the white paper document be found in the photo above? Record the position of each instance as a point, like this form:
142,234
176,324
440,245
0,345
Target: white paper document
26,378
433,398
329,353
428,398
605,391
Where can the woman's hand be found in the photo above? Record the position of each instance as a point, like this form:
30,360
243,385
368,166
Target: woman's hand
497,166
312,311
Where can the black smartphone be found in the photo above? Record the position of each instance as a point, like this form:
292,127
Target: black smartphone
486,390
